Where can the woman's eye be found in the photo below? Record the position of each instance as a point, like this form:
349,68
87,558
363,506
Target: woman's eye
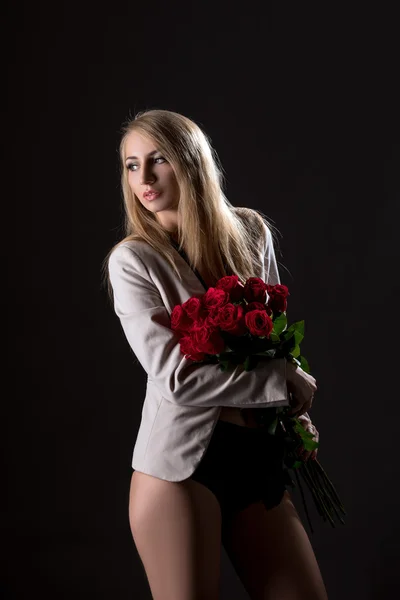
134,167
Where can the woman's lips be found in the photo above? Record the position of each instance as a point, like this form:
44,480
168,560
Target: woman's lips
152,195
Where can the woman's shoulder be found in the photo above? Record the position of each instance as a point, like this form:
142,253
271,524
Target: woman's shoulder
130,251
134,246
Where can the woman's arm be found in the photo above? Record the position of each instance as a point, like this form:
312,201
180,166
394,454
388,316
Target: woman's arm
147,327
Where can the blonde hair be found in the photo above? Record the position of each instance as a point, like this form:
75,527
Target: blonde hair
210,229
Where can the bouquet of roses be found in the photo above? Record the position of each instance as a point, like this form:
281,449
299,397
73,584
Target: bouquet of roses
234,324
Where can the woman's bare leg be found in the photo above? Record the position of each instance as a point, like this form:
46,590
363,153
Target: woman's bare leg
176,527
272,554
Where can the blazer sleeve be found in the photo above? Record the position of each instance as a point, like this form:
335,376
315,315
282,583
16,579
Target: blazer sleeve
147,327
270,263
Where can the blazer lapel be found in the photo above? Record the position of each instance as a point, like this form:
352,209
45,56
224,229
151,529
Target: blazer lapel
195,278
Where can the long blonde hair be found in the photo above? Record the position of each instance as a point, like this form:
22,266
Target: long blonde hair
210,229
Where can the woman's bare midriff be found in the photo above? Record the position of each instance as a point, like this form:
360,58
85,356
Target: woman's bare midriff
233,414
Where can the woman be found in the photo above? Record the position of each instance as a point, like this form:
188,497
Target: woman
204,472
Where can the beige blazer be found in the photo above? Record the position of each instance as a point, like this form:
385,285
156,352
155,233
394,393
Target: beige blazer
183,400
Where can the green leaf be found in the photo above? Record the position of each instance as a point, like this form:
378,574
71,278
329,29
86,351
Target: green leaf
288,333
310,445
272,427
304,364
297,464
298,427
280,324
274,337
306,437
246,363
296,351
298,337
298,327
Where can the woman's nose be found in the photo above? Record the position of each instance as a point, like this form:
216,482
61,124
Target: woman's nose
147,175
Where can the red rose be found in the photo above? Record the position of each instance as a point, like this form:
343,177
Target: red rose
259,323
277,297
214,298
232,286
258,306
255,290
186,345
194,308
231,318
180,321
213,319
207,339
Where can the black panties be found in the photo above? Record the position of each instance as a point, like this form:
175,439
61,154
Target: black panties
242,465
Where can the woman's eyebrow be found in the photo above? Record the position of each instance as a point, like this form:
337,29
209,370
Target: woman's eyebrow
136,158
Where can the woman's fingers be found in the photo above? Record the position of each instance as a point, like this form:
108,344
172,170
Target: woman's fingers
306,454
305,408
299,407
301,390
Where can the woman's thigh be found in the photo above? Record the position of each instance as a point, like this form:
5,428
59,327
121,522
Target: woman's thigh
272,554
176,527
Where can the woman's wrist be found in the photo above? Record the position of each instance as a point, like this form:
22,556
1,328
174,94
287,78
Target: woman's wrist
291,367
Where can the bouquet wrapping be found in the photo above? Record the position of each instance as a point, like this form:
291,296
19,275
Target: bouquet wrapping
239,324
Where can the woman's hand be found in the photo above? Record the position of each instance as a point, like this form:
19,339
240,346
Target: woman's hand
301,387
308,426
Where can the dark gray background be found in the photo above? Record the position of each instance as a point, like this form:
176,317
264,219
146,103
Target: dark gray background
300,102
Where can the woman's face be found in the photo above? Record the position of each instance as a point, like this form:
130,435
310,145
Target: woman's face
149,171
